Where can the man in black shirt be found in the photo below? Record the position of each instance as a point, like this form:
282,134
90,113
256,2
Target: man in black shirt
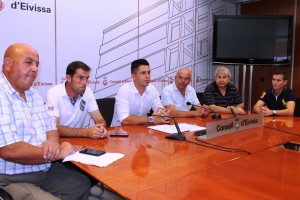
279,100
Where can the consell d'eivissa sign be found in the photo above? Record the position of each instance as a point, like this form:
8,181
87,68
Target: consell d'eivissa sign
230,125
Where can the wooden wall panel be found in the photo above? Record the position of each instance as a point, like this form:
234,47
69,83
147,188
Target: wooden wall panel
262,75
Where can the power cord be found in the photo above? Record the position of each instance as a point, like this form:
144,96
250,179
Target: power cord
217,147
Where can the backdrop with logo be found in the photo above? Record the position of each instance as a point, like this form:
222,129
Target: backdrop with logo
109,34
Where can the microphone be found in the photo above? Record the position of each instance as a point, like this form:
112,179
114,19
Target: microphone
232,112
213,116
179,136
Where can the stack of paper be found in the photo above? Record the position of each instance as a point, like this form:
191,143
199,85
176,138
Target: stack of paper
172,129
100,161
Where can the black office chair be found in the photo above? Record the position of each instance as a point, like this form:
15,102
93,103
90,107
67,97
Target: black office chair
297,108
106,107
4,195
200,97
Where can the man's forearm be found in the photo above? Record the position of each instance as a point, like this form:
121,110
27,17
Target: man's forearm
65,131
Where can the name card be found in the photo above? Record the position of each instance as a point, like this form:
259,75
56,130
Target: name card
230,125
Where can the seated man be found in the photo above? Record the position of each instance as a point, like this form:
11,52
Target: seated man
135,99
279,100
70,102
179,94
29,141
221,96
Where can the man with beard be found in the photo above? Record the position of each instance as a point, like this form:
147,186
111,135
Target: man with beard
70,102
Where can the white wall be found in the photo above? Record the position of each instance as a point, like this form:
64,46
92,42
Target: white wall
109,34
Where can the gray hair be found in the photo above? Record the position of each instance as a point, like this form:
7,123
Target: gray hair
224,70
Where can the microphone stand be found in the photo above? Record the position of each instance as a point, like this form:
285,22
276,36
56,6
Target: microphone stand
232,112
213,116
179,136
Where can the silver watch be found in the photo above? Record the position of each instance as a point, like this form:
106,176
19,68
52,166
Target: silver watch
150,119
274,112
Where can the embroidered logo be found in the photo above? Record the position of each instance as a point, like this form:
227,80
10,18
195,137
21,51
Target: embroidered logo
263,94
283,103
82,105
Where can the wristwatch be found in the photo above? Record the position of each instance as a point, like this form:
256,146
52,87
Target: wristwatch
150,119
274,112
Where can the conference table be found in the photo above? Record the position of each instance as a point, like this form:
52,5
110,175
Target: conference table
253,164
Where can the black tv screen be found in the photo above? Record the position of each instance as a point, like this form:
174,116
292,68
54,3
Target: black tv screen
251,39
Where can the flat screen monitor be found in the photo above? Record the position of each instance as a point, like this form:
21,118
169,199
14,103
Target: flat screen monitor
252,39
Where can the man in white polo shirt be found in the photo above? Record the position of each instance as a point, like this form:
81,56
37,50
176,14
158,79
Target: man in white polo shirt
179,96
70,102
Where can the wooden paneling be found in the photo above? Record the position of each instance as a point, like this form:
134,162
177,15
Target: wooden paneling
262,75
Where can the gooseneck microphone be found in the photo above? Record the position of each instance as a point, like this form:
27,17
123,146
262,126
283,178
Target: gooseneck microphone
232,112
213,116
179,136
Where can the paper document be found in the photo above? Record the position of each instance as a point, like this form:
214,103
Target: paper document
100,161
172,129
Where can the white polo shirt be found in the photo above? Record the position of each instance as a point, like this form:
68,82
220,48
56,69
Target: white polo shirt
171,95
129,102
59,105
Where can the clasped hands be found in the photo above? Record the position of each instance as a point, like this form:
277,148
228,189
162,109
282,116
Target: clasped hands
161,116
237,110
266,111
97,131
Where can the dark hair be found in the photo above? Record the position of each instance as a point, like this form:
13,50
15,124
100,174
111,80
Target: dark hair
281,72
136,63
73,66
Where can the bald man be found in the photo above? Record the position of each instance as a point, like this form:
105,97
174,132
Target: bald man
29,141
176,95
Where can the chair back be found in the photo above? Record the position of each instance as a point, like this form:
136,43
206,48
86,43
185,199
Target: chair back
297,108
200,97
106,107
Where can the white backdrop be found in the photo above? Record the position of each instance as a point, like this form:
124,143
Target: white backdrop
26,22
109,34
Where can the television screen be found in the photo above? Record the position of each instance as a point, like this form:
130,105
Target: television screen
251,39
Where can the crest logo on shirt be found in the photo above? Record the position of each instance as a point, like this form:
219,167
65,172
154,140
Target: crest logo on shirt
283,103
82,105
263,94
1,5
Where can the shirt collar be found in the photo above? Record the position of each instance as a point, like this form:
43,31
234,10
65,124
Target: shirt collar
283,91
7,86
135,91
64,93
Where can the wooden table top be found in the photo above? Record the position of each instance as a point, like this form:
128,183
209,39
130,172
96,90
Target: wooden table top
270,174
151,160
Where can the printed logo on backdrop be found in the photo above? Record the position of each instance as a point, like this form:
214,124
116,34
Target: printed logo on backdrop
40,84
63,79
104,81
29,7
1,5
